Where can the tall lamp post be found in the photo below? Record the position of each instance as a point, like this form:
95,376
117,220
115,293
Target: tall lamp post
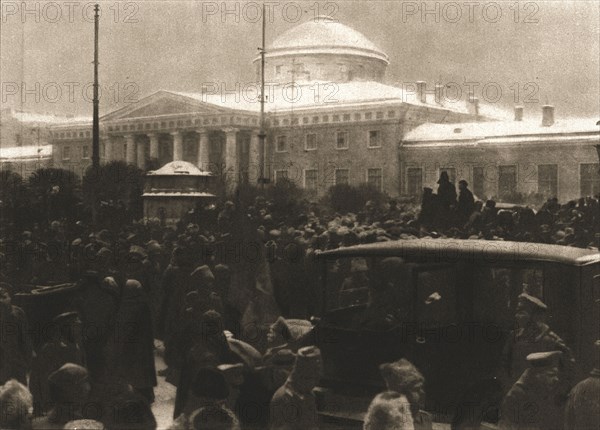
96,122
262,133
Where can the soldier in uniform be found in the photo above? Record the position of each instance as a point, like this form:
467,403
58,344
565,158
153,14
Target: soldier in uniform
583,405
293,406
67,347
16,349
533,335
533,402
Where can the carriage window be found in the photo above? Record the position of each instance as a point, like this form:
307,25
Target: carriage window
436,298
348,282
495,292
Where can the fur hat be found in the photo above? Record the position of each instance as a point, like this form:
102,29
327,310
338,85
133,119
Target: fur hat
84,425
308,361
68,376
16,401
401,376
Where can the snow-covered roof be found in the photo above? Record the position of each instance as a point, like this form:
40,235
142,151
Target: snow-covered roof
37,118
310,95
324,35
26,152
177,194
179,168
495,129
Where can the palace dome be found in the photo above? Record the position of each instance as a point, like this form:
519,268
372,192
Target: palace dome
323,49
327,36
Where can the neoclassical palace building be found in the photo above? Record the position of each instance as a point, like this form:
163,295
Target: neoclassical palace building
330,118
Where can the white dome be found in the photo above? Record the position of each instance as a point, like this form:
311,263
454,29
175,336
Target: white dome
323,35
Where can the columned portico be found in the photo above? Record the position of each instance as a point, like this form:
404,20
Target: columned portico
153,146
255,168
177,146
141,155
130,152
230,158
109,149
203,161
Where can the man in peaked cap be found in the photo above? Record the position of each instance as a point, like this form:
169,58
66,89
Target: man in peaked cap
293,406
583,405
533,402
69,390
533,335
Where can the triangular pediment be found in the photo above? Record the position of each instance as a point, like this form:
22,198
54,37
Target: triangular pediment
160,104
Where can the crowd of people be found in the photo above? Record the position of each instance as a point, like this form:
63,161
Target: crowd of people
228,297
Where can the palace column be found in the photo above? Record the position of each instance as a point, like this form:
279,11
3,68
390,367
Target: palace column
231,153
141,155
153,146
203,161
255,168
130,153
109,152
177,146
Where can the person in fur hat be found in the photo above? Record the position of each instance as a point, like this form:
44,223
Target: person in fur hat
15,405
399,408
293,406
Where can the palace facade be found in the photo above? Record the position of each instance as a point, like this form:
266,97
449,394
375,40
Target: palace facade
330,118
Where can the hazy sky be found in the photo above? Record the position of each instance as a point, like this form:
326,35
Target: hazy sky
549,50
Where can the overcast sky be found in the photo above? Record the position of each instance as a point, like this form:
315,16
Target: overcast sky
549,50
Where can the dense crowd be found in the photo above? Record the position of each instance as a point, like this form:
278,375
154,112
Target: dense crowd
229,296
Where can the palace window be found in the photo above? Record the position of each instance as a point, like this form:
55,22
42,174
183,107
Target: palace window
342,176
85,151
375,178
278,70
356,117
507,180
414,181
379,115
346,117
368,115
315,119
374,139
478,182
310,179
589,179
548,180
280,175
281,143
66,153
341,140
336,117
311,142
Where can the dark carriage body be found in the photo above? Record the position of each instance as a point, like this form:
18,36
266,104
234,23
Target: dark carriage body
42,303
458,299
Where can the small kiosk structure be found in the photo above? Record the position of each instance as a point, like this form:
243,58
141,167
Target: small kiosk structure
176,188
